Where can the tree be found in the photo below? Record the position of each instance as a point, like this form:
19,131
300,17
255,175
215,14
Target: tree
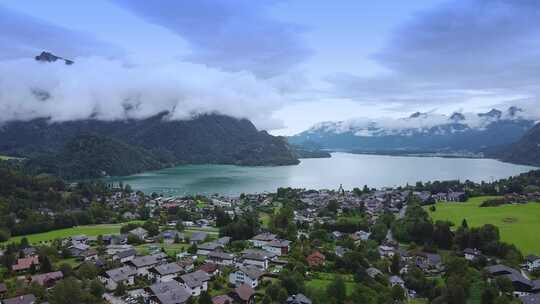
45,264
464,223
120,290
395,266
398,294
96,288
337,290
67,291
364,295
205,298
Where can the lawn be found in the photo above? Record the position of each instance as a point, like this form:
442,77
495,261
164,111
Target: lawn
265,219
90,230
170,249
324,279
518,224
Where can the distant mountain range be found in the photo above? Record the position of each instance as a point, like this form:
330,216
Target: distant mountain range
92,148
420,132
526,151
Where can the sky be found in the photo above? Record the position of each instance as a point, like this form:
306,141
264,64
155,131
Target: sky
285,65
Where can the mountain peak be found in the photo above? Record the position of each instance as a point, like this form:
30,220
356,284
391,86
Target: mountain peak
493,113
50,57
417,115
456,116
513,111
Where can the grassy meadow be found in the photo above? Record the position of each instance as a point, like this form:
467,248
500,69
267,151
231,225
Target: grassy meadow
518,224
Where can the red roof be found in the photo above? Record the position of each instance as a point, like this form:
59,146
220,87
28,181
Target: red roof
209,268
316,258
244,292
26,263
223,299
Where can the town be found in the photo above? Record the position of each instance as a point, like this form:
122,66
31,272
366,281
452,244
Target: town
294,246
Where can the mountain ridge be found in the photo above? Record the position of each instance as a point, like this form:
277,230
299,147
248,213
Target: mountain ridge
206,138
469,132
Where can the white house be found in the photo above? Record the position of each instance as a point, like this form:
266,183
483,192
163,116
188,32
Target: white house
144,263
195,282
249,275
262,239
258,258
221,258
165,272
113,277
471,254
278,247
532,262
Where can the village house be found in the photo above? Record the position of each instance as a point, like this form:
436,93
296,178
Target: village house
243,294
249,275
144,263
522,285
430,263
206,248
386,251
24,299
258,258
471,254
210,268
222,299
195,282
139,232
221,258
165,272
25,264
532,262
47,280
170,292
198,237
298,299
89,255
170,236
262,239
278,247
187,263
113,277
316,259
396,280
125,255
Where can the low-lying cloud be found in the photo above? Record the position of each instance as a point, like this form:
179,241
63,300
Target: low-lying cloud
109,89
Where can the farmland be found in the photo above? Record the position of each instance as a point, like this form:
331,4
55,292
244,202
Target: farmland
518,224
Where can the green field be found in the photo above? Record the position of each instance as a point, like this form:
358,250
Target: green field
518,224
91,230
324,279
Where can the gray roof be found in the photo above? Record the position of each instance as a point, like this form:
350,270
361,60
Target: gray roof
195,279
171,292
210,246
265,237
26,299
501,269
251,271
298,299
145,261
531,299
126,253
198,236
120,274
258,255
170,268
396,280
220,255
373,272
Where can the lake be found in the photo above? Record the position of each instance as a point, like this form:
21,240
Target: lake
351,170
